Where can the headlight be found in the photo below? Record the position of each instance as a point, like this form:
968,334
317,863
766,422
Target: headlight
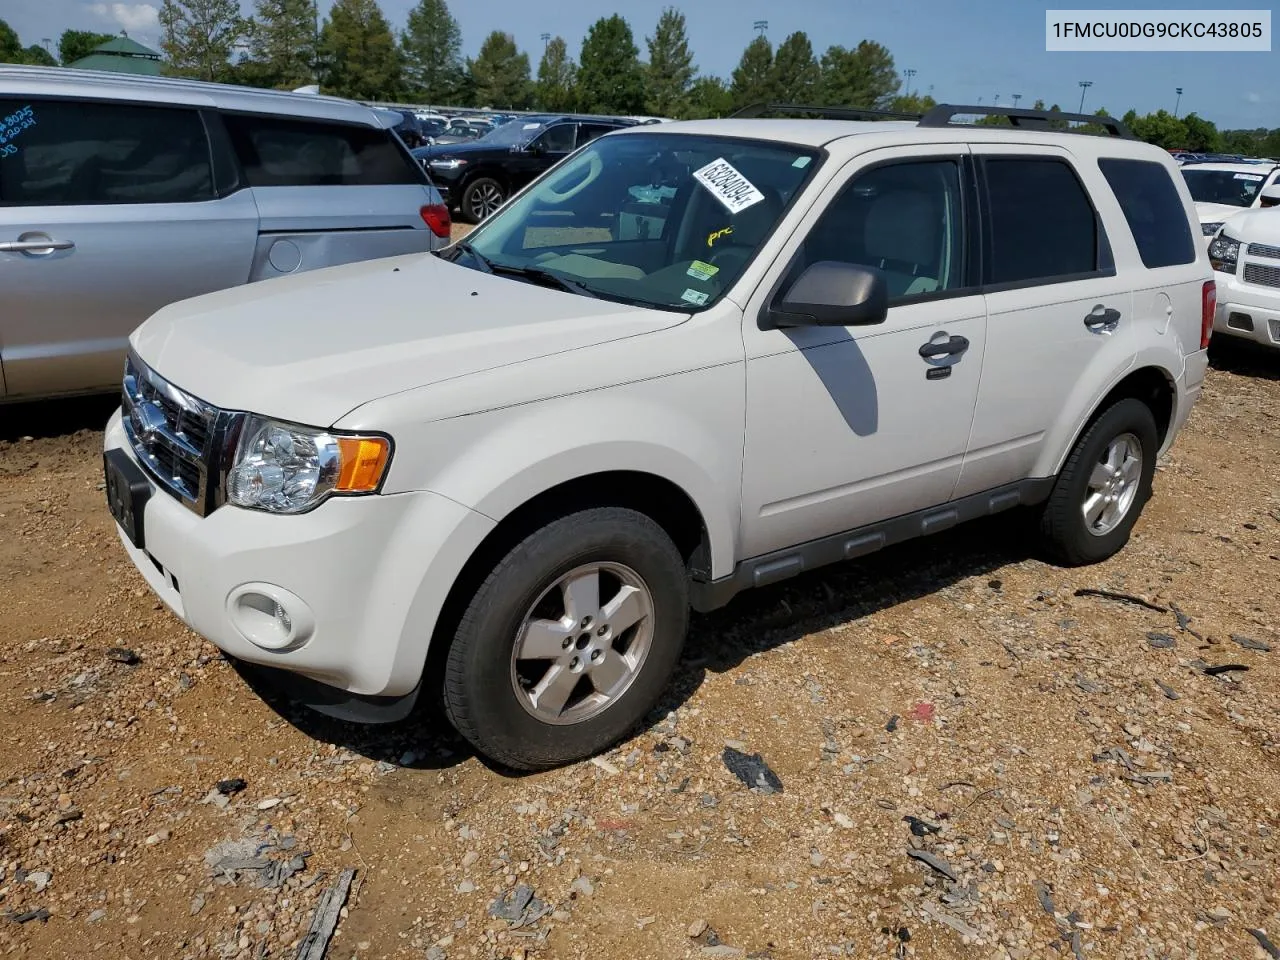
1224,252
451,164
1209,229
286,468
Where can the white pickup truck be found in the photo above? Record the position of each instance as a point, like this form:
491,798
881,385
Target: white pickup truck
690,359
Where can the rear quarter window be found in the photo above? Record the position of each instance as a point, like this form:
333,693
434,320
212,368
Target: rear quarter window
1153,210
285,152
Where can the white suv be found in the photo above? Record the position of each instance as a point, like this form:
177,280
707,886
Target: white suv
1225,190
690,359
1246,256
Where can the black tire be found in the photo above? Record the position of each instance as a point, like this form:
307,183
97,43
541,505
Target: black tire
480,698
1065,534
474,197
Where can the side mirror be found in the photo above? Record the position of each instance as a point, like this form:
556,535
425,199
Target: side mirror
832,293
1271,196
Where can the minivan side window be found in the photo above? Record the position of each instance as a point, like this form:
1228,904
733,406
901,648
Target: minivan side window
74,152
286,152
1152,209
1041,225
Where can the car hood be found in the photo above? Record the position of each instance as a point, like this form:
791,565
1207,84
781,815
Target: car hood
1257,226
311,347
461,148
1217,212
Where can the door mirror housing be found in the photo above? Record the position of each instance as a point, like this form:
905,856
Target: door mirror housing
831,293
1271,196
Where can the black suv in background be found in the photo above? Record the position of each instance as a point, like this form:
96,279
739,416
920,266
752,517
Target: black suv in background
477,176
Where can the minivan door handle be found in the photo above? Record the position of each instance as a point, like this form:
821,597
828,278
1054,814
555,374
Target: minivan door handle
37,247
945,348
1102,319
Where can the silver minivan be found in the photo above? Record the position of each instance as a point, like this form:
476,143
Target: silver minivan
121,194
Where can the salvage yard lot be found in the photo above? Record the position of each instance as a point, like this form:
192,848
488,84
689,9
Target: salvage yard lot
1093,791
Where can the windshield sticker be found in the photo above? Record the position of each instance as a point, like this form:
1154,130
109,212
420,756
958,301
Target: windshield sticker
801,162
13,125
1249,176
532,126
728,186
702,271
696,297
715,235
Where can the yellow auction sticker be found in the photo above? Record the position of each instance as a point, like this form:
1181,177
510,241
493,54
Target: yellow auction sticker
702,271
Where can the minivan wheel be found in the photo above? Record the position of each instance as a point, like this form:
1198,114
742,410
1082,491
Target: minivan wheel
570,640
1103,486
482,197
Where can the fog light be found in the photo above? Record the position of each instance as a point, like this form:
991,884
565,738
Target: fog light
270,617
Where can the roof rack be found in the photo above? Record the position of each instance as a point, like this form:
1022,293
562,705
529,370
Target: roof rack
827,113
942,114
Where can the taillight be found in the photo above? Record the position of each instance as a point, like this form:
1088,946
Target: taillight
436,216
1208,307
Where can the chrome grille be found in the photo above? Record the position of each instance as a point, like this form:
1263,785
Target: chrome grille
1258,273
171,432
1262,250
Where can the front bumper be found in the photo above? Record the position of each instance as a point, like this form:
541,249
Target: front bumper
1248,311
371,573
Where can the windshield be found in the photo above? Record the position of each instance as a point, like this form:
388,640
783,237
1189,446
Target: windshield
660,219
511,134
1223,186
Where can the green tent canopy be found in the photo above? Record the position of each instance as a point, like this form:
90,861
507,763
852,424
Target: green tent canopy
121,55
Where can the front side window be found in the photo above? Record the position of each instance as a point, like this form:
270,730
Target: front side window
1152,209
589,131
284,152
1229,187
558,139
902,218
65,152
660,219
1042,226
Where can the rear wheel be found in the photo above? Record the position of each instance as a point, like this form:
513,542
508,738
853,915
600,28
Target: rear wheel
569,641
1103,486
481,197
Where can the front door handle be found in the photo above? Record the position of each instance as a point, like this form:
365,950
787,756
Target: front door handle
35,246
944,348
1102,319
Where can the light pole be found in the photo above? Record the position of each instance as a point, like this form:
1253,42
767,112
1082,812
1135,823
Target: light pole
761,25
1084,88
1178,102
546,40
909,73
1016,98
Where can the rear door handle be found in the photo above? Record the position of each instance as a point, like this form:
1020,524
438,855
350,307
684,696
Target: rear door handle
1102,319
945,348
34,246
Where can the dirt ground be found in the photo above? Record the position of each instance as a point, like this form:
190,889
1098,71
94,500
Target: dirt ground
976,761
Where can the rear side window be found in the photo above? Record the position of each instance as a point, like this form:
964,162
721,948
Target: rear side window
1041,225
68,152
1153,210
284,152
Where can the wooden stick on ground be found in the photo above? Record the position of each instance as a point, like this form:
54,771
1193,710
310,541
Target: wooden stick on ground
325,920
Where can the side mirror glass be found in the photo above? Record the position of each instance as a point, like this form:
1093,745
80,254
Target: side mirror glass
831,293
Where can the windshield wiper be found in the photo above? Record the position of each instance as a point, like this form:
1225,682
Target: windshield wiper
462,246
544,277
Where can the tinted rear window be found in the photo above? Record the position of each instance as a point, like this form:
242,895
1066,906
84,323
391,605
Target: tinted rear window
1153,210
281,152
1042,225
66,152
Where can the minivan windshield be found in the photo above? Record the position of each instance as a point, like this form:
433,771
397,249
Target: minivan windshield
1234,188
667,220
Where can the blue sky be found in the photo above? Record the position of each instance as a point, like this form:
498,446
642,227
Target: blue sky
964,51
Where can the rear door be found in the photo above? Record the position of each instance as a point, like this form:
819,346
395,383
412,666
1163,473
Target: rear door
108,212
329,192
1060,316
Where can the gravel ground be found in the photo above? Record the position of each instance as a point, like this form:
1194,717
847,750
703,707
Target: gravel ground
975,759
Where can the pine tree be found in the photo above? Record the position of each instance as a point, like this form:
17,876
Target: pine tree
282,44
795,71
199,36
708,97
74,45
670,72
500,73
358,53
862,77
610,78
10,46
556,76
753,77
432,45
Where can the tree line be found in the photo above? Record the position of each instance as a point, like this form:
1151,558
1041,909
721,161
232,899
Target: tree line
354,52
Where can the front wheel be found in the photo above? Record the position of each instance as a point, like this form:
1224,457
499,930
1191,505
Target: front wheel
570,640
481,197
1103,486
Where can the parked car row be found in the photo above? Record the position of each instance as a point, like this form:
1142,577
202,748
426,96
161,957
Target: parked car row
1223,190
120,194
1245,253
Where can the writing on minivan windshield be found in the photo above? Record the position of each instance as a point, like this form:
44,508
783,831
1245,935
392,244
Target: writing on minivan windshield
665,220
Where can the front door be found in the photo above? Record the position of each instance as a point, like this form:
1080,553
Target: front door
107,213
851,425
